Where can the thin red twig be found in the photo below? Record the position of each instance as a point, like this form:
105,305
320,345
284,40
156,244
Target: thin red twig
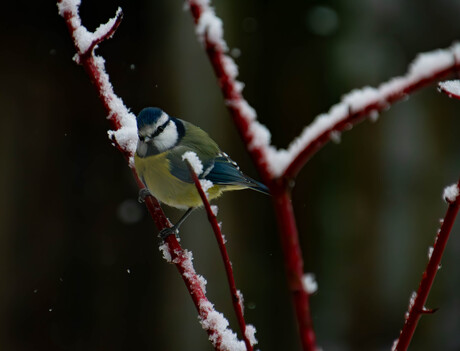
417,305
105,36
237,303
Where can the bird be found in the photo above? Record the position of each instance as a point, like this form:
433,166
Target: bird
162,142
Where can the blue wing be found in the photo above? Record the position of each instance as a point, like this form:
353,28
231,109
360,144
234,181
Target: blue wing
227,172
221,170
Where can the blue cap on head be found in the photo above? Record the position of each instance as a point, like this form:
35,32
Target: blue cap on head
148,116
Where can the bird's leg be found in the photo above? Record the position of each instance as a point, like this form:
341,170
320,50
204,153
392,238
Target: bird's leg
175,228
143,193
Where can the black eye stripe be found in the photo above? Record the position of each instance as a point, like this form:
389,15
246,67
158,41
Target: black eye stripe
160,129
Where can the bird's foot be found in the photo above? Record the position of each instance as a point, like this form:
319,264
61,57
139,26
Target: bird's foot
165,232
143,193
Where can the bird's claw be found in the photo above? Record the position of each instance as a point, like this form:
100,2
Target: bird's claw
143,193
165,232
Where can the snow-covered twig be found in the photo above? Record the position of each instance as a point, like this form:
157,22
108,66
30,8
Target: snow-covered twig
418,299
255,136
247,331
362,103
124,137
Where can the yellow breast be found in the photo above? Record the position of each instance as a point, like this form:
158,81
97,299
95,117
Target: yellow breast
154,171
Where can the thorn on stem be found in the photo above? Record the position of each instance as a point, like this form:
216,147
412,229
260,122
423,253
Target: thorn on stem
429,310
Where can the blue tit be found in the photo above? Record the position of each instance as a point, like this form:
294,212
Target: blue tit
158,160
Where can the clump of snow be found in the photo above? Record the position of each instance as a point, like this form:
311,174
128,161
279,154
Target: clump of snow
210,27
451,193
214,210
194,161
240,299
430,251
68,5
251,334
245,109
412,299
230,67
215,321
206,185
164,248
451,88
203,282
426,63
309,283
261,136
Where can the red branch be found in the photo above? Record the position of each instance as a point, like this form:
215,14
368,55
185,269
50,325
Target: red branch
237,303
178,256
293,264
417,307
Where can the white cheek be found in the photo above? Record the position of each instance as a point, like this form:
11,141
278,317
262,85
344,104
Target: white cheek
168,138
162,120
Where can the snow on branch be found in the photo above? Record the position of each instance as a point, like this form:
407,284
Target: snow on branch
362,103
451,193
214,322
355,106
256,136
195,167
125,134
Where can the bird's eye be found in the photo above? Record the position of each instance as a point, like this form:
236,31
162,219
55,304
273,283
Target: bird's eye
160,129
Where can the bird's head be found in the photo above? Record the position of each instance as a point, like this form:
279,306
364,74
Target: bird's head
157,131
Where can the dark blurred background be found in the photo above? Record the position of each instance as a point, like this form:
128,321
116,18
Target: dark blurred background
79,263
